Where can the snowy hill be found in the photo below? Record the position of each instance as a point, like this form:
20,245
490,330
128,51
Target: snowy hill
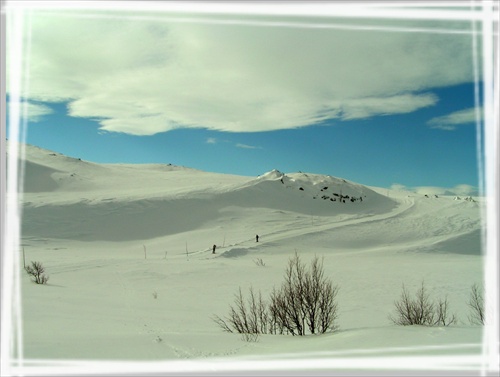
147,201
128,249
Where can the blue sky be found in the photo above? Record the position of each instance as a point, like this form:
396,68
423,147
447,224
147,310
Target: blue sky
384,107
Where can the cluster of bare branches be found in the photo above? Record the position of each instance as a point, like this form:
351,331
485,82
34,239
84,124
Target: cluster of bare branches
421,310
259,262
37,272
305,303
476,303
250,317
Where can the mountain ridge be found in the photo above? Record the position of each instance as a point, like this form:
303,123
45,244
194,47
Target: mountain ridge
70,198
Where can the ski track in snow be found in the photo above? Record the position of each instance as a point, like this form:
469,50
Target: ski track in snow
304,228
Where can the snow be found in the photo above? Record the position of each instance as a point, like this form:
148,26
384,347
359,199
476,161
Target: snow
133,277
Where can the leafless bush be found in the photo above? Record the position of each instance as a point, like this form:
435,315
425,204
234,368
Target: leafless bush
250,337
259,262
305,303
476,303
421,310
417,311
250,317
321,304
443,317
36,271
306,300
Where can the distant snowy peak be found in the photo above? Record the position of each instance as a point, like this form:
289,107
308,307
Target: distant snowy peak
306,192
271,175
316,183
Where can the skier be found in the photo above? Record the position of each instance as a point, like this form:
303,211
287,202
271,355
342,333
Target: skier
256,238
213,249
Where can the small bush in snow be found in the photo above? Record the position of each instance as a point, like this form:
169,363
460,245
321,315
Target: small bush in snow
421,310
251,338
476,303
305,303
443,317
36,271
259,262
250,317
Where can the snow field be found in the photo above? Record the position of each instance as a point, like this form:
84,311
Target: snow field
123,287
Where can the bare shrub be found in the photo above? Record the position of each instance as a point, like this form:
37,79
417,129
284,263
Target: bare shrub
421,310
305,303
36,271
476,303
248,317
320,299
251,338
306,300
443,317
259,262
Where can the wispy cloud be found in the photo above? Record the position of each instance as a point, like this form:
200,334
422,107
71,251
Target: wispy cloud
398,104
145,76
213,140
33,111
451,121
462,189
245,146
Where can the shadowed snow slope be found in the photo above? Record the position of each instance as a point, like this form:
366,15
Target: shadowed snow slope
69,198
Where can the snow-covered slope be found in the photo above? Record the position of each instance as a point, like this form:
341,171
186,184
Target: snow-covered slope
128,249
127,202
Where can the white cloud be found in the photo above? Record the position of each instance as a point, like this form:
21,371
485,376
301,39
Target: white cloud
245,146
33,111
462,189
398,187
432,190
465,190
148,76
451,121
213,140
400,104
